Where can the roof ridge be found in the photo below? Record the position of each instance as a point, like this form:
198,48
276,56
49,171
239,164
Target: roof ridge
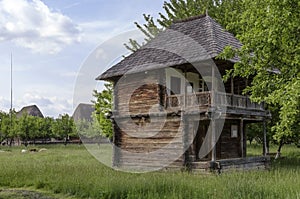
212,33
190,18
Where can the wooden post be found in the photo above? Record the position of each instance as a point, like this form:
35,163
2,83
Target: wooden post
213,122
246,84
185,140
115,97
185,89
242,136
232,89
213,139
232,85
265,138
116,150
244,139
161,89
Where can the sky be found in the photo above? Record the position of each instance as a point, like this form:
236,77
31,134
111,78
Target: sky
51,42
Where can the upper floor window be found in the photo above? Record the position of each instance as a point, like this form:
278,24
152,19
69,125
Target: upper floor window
175,85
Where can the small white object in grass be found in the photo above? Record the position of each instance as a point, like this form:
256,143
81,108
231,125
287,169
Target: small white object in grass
42,149
23,151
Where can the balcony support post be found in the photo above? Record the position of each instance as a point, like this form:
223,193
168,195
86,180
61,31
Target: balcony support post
213,121
213,139
242,137
265,149
232,89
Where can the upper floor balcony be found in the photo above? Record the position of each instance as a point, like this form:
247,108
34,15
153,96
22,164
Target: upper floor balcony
204,100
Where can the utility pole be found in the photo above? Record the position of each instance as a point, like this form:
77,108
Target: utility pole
11,95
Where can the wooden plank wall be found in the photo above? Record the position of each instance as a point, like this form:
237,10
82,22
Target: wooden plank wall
138,93
152,146
229,147
144,140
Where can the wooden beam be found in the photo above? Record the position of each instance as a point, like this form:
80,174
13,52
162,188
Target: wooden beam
245,139
116,145
213,86
265,138
242,137
213,140
232,85
185,140
185,88
213,122
115,97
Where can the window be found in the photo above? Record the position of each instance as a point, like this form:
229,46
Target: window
175,85
190,87
202,86
234,131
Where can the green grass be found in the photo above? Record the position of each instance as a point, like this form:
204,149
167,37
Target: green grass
72,172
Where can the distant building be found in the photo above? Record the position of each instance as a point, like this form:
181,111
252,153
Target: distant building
32,110
83,112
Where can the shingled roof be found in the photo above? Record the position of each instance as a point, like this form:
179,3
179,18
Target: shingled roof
32,110
186,41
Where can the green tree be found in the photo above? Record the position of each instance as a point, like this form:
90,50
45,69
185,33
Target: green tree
3,116
103,108
270,33
89,129
9,127
45,128
27,128
64,127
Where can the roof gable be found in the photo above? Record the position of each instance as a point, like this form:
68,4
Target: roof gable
32,110
186,41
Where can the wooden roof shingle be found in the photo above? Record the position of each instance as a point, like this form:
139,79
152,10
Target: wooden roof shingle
32,110
186,41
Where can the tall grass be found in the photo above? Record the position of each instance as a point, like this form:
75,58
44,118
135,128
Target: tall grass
73,171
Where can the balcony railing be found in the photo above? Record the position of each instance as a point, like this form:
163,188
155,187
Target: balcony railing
203,99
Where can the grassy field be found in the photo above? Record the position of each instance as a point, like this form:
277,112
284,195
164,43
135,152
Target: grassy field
71,172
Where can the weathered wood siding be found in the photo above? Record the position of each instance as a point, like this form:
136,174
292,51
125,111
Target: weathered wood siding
153,145
138,93
228,147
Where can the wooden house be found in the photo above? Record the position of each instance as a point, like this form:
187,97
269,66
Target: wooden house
32,110
172,109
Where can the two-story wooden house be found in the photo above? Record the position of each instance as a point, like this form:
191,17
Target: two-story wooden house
171,107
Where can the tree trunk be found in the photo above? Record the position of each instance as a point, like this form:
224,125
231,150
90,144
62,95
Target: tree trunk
278,154
66,141
268,146
11,141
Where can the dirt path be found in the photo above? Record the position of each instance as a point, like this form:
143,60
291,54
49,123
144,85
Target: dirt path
22,194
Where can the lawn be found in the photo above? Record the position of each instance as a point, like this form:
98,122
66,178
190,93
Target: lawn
70,171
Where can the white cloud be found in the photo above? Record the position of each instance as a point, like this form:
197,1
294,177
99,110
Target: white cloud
49,106
4,104
31,24
96,32
72,74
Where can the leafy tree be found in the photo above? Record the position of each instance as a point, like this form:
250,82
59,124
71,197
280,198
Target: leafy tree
103,108
9,127
64,128
28,128
89,129
45,128
2,125
270,33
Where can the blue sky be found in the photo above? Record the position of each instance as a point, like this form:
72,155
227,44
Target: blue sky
50,39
